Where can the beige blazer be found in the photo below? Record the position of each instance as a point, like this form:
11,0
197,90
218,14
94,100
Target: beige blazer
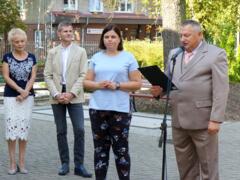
75,73
202,88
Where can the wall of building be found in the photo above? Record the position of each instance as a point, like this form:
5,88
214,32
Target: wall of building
32,14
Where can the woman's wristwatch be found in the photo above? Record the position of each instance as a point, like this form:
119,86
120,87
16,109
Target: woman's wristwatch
117,85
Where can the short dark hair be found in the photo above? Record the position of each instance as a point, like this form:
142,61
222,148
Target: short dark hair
63,24
193,23
107,28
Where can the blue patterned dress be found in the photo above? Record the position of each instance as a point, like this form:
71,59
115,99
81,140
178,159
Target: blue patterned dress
17,114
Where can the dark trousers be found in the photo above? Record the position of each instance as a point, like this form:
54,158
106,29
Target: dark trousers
76,115
110,128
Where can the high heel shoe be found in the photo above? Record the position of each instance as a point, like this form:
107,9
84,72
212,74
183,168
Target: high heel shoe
12,171
22,170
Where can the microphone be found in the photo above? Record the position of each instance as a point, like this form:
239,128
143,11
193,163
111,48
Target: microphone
180,50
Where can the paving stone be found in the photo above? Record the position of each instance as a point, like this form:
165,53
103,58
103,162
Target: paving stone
42,159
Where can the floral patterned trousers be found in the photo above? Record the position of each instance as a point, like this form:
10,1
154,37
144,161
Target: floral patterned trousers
110,128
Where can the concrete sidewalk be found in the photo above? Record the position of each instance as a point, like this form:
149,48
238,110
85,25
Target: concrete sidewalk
42,157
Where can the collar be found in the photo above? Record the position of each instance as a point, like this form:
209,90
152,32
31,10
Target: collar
196,49
66,48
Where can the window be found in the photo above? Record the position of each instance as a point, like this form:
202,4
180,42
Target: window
70,4
95,6
20,4
38,35
22,10
125,6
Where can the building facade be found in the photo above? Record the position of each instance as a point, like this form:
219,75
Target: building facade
88,18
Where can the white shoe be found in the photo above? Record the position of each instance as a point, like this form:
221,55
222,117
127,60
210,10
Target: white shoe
22,171
12,171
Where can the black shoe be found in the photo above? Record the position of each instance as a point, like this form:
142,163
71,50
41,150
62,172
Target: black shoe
63,170
81,171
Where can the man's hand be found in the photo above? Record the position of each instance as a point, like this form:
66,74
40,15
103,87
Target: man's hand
60,98
213,127
68,97
156,91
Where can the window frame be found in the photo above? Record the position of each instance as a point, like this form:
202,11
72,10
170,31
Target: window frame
72,5
93,4
38,38
125,2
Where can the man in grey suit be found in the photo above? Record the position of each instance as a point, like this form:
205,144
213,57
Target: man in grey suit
64,72
198,106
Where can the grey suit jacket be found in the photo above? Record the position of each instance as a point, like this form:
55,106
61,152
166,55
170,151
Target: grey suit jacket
75,73
202,88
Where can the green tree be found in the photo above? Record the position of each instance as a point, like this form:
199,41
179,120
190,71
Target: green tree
220,20
172,13
9,15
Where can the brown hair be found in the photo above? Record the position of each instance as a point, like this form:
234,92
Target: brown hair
107,28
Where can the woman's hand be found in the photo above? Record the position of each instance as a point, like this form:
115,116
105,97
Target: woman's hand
19,98
112,86
24,93
104,85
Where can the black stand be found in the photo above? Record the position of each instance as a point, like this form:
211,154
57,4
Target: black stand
163,137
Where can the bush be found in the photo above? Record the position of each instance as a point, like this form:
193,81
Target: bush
147,53
234,68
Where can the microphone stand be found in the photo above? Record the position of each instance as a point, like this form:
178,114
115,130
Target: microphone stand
163,137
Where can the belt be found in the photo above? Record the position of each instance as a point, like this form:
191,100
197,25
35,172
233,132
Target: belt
63,88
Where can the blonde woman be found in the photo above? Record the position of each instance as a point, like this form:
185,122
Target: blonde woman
19,72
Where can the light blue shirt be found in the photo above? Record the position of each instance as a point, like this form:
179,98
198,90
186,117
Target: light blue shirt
115,69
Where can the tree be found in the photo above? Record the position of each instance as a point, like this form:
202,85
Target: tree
220,20
172,13
9,15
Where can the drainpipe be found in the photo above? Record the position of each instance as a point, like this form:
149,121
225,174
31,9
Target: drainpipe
83,32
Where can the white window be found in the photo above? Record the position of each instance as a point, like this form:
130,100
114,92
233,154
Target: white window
20,4
95,6
38,35
125,6
70,4
22,10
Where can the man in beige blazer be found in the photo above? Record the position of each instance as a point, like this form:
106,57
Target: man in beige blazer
64,72
198,106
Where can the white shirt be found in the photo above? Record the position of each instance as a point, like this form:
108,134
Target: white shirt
65,55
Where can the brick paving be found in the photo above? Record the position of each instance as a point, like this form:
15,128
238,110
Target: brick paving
42,157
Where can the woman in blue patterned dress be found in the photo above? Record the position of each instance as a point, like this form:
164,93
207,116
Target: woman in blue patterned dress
112,74
19,73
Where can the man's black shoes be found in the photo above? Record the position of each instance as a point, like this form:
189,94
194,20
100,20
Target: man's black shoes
63,170
81,171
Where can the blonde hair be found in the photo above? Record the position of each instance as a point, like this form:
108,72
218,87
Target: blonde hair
16,31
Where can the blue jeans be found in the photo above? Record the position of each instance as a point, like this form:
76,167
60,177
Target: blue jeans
76,115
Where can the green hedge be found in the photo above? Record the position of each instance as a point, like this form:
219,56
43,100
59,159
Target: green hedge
146,52
151,53
234,68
